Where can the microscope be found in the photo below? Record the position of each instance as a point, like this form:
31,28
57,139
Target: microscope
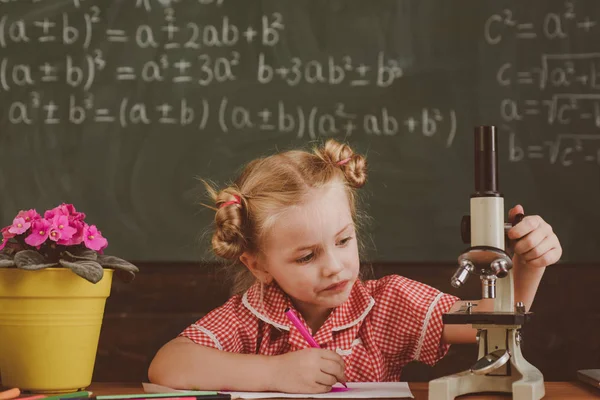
500,366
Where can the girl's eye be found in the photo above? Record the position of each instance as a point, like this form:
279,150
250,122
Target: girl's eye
345,240
305,259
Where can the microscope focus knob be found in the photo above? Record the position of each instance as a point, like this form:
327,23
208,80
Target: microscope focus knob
518,218
508,225
465,229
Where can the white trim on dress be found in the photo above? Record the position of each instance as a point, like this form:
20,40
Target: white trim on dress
357,320
343,352
209,334
261,316
425,323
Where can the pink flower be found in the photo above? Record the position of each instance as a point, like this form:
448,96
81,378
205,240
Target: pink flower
64,209
75,215
5,236
29,215
77,237
19,226
40,229
23,221
61,229
93,238
54,234
78,216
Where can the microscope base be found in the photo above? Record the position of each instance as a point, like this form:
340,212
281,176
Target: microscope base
521,378
449,387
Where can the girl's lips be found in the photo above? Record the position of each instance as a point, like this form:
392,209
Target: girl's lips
337,287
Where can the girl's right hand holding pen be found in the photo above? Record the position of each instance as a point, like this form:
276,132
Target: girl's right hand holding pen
307,371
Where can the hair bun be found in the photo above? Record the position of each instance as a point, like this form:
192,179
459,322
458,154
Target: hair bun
341,156
228,240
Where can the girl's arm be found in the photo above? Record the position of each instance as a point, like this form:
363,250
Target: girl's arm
183,364
455,334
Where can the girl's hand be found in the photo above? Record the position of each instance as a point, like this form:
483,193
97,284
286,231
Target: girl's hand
307,371
536,244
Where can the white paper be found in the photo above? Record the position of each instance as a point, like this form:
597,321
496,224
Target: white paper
358,390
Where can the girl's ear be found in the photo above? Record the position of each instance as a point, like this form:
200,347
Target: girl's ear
252,263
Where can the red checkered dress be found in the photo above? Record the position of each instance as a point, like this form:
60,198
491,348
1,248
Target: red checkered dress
384,325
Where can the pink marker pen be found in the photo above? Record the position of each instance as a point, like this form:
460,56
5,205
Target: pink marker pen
303,331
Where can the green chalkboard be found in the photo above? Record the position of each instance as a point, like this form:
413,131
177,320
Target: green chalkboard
118,107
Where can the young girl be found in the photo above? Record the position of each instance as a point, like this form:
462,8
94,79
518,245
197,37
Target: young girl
290,221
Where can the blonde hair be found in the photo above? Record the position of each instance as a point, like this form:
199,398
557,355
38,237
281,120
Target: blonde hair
266,187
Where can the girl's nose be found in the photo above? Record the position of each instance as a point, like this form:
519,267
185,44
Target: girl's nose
332,265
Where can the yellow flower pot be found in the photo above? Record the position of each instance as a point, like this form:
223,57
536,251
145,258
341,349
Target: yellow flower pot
49,328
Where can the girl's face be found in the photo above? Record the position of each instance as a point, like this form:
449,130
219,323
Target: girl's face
311,251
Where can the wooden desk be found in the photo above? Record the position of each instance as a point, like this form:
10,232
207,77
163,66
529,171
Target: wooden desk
554,391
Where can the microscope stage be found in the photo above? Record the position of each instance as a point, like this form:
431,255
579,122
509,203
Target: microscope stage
486,318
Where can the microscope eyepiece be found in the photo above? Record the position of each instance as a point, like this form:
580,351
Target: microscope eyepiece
486,160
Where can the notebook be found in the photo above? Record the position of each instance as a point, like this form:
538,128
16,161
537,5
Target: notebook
590,376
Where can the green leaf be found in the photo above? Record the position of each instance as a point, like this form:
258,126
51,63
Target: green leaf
35,267
123,269
89,270
6,261
9,251
31,260
82,254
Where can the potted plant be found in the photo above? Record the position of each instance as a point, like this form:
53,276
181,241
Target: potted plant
54,281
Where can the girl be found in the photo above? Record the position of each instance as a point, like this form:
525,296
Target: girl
290,221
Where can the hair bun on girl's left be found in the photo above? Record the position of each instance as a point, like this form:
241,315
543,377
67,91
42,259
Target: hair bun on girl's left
228,239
